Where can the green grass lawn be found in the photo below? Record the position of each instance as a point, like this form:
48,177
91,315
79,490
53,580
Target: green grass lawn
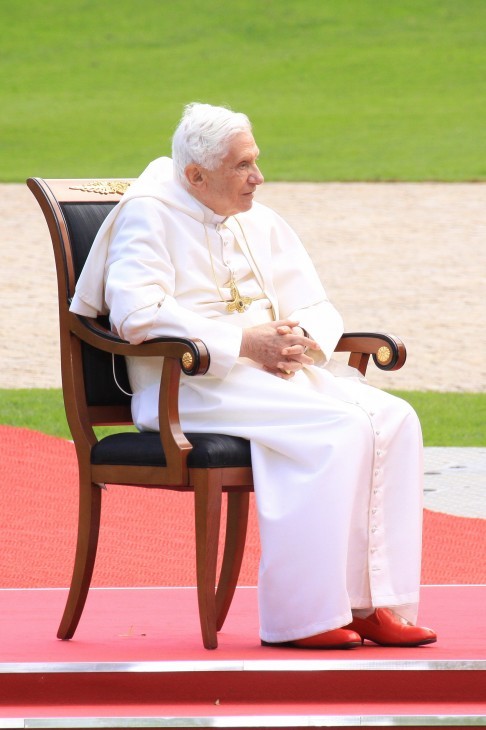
344,90
337,89
448,419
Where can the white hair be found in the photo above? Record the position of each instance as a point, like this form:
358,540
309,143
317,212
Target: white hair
203,136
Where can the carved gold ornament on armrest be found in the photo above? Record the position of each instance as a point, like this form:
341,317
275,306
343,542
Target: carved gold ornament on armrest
384,355
104,187
187,360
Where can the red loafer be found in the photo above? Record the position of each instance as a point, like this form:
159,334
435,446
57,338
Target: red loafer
335,639
386,628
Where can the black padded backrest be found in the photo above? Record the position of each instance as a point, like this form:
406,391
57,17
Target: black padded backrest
83,222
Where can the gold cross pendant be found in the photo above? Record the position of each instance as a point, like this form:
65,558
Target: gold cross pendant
238,303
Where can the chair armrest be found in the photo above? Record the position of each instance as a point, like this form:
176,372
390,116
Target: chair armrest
388,351
193,354
190,356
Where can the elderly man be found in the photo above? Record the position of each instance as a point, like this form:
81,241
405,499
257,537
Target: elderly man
337,464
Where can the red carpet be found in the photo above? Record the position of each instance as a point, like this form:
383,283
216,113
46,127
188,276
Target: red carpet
137,654
147,536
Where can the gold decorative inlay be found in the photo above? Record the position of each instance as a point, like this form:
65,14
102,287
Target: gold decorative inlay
103,187
383,355
187,360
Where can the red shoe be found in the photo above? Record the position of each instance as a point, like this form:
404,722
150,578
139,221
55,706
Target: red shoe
386,628
335,639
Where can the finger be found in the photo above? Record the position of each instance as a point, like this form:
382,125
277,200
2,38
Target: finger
303,340
295,363
298,357
289,366
283,375
294,350
304,359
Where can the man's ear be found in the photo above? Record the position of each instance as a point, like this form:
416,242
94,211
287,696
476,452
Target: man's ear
195,176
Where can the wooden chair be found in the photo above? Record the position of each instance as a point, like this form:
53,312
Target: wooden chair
205,464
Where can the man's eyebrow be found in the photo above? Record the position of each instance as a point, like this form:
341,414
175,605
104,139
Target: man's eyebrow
248,156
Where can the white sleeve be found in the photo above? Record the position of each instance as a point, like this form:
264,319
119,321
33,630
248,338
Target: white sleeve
325,325
300,292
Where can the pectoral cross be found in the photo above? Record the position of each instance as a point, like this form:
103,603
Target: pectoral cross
238,303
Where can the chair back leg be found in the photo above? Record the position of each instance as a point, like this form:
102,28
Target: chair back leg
234,546
88,531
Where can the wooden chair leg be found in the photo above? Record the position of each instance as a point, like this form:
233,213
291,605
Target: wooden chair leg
88,531
207,499
234,546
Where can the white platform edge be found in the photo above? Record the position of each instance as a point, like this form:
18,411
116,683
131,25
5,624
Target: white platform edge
246,721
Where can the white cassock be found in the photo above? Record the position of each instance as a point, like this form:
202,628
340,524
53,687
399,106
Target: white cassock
337,464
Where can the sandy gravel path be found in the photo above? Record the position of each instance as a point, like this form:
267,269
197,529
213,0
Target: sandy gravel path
409,259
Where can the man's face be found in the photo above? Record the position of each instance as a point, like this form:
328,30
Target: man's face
230,188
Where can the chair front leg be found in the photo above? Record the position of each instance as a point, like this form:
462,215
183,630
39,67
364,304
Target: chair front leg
88,531
234,546
207,500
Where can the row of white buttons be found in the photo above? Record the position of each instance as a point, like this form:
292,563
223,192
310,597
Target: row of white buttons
227,238
375,526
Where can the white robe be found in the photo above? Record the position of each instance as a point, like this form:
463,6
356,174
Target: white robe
337,464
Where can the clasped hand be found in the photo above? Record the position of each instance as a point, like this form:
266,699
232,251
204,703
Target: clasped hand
280,347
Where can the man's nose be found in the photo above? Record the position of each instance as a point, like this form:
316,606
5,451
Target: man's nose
256,177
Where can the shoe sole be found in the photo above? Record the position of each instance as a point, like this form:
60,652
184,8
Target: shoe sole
293,645
407,645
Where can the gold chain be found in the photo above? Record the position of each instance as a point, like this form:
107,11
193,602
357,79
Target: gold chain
255,265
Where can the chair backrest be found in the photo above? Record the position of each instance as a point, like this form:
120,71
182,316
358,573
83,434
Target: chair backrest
83,223
75,210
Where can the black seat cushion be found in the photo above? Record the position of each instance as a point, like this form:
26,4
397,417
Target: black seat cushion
210,450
